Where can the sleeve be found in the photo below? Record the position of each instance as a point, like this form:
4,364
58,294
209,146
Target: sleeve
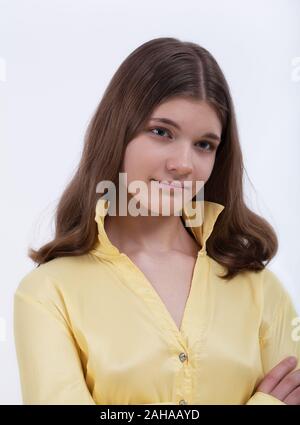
49,364
279,331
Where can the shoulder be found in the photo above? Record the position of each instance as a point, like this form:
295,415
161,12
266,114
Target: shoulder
55,277
273,289
263,289
271,281
270,288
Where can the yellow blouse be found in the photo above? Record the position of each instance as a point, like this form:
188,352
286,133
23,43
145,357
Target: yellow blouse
92,329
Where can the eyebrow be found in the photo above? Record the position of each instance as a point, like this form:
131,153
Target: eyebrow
174,124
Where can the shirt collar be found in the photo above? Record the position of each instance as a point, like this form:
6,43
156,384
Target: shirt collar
208,213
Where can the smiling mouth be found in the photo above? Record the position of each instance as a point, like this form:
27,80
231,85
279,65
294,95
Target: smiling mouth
164,183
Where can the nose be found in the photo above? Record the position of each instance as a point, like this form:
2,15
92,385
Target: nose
180,162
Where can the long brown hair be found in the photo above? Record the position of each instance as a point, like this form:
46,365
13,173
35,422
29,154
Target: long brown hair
158,70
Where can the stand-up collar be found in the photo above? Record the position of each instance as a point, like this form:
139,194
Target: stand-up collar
206,212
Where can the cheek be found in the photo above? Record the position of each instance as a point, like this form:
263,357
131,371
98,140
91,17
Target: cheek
138,160
204,167
137,167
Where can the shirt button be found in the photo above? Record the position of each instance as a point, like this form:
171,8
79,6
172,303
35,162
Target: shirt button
182,357
183,402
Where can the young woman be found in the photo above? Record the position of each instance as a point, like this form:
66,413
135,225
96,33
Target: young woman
158,308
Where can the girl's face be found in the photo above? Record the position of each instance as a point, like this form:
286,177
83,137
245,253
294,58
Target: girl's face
179,142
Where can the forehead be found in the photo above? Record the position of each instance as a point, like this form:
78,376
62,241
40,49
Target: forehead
187,113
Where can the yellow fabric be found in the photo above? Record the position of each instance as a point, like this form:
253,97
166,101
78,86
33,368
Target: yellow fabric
262,398
91,329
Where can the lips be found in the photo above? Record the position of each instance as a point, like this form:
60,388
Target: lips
175,185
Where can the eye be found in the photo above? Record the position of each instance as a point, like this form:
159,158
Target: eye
210,146
160,129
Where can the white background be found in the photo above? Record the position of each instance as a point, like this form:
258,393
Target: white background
56,59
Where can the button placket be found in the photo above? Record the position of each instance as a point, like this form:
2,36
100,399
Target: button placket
183,357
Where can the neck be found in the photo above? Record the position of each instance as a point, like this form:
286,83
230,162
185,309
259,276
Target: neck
153,234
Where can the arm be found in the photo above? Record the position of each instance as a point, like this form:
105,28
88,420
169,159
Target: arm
278,340
49,364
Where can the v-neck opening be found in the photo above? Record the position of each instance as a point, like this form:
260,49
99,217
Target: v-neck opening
145,289
179,331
